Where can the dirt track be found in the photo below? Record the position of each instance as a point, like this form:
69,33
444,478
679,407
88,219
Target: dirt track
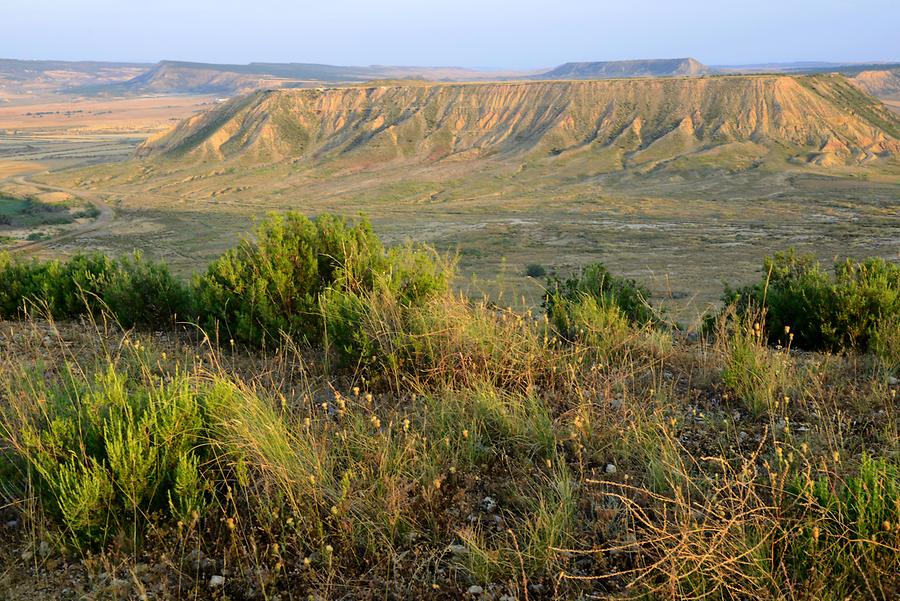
105,218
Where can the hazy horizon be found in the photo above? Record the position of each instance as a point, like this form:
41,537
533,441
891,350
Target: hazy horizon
466,33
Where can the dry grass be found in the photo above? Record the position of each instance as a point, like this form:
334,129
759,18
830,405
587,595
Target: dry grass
491,456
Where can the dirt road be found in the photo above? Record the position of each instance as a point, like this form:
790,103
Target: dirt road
104,219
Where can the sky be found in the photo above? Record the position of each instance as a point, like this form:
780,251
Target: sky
514,34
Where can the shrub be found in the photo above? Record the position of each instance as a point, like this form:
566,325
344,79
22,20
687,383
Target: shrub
132,290
848,527
355,319
145,293
444,338
886,343
593,321
595,281
109,450
603,313
63,289
535,270
272,286
822,311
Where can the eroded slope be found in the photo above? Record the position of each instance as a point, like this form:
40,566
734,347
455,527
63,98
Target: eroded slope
822,119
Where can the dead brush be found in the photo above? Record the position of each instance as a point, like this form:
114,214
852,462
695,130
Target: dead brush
450,341
726,529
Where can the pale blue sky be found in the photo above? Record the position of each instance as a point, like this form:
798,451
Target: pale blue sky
495,33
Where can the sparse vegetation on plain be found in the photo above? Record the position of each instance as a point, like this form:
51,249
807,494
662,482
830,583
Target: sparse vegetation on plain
346,425
30,212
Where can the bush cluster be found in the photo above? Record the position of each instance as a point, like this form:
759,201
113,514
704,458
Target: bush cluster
319,280
271,286
855,307
277,284
123,448
135,291
597,309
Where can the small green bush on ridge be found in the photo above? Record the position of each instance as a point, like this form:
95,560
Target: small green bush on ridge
844,310
272,286
135,291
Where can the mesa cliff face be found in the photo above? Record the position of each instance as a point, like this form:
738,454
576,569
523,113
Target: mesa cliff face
821,119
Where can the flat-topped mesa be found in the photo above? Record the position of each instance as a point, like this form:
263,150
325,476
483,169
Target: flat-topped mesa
666,67
821,119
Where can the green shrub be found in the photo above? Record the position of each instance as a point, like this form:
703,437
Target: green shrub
271,286
442,338
63,288
600,311
886,343
535,270
592,321
145,293
274,285
132,290
110,451
355,319
822,311
849,528
595,281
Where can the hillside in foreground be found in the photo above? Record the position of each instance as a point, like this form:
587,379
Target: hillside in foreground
318,416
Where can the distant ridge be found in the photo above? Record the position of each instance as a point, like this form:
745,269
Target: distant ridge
39,75
180,77
806,68
671,67
183,77
879,83
206,78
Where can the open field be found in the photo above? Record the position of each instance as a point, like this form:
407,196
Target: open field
57,131
42,132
